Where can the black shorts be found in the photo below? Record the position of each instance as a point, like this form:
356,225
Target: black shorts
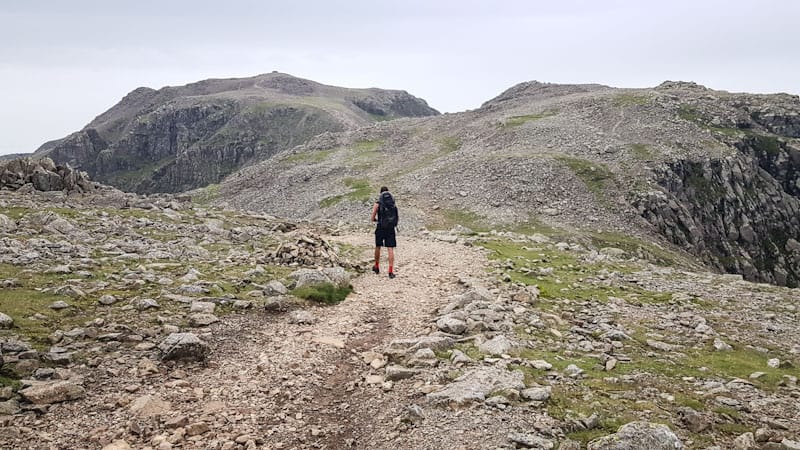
385,238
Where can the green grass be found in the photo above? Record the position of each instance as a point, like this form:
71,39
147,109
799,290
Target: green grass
515,121
595,176
448,218
310,157
629,99
361,190
448,144
207,194
323,293
635,246
129,179
642,151
769,145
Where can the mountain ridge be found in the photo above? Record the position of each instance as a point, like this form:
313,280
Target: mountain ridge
182,137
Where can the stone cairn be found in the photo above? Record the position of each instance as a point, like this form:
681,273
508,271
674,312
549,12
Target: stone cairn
308,250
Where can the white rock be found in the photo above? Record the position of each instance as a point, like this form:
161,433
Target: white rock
6,321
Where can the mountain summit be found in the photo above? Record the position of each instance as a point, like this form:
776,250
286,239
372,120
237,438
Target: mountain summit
179,138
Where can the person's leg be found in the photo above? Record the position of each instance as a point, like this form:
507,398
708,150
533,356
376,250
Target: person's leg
391,243
378,244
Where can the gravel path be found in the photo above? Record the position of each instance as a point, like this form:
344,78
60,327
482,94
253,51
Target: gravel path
276,383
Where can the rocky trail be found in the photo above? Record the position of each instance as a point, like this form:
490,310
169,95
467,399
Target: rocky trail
156,323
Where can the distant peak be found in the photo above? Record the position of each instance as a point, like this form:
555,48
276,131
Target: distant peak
682,85
540,90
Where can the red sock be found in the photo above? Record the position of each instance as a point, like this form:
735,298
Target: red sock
391,269
376,265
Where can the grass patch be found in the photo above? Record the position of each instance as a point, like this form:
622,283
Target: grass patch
207,194
595,176
515,121
310,157
630,99
634,246
360,192
448,144
768,145
470,350
324,293
642,151
452,217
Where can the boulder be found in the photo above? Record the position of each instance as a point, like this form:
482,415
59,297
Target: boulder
183,346
451,325
275,288
149,406
309,277
636,436
6,321
52,392
475,385
498,345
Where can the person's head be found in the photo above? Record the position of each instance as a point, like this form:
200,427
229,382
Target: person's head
384,189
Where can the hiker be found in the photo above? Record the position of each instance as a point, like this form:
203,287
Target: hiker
384,212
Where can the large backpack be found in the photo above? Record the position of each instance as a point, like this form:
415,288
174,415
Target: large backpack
387,211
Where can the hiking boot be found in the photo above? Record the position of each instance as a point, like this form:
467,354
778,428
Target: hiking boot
391,274
376,269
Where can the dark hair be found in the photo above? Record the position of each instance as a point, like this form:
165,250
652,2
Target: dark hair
384,189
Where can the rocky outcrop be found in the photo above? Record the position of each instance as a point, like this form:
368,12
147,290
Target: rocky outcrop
180,138
42,175
740,213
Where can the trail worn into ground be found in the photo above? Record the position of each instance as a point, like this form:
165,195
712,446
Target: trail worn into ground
274,382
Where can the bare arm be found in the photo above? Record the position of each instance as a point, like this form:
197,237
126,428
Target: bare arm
374,217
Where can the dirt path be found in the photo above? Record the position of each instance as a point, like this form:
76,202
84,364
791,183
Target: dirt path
279,383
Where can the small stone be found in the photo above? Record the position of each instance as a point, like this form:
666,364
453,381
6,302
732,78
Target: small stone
149,406
537,394
187,346
496,346
197,428
395,373
573,371
146,303
6,321
745,441
118,445
774,363
242,304
530,441
329,340
721,346
177,422
59,305
540,364
374,379
202,307
52,392
451,325
107,299
202,320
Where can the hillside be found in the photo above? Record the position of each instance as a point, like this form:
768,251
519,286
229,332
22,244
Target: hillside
716,174
132,321
178,138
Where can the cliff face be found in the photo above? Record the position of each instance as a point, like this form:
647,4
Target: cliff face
740,213
180,138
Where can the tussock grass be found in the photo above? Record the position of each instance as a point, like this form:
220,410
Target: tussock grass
324,293
515,121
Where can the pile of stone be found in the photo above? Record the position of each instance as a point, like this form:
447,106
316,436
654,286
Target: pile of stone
42,175
309,250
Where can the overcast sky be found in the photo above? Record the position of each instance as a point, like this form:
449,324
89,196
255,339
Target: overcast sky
64,62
